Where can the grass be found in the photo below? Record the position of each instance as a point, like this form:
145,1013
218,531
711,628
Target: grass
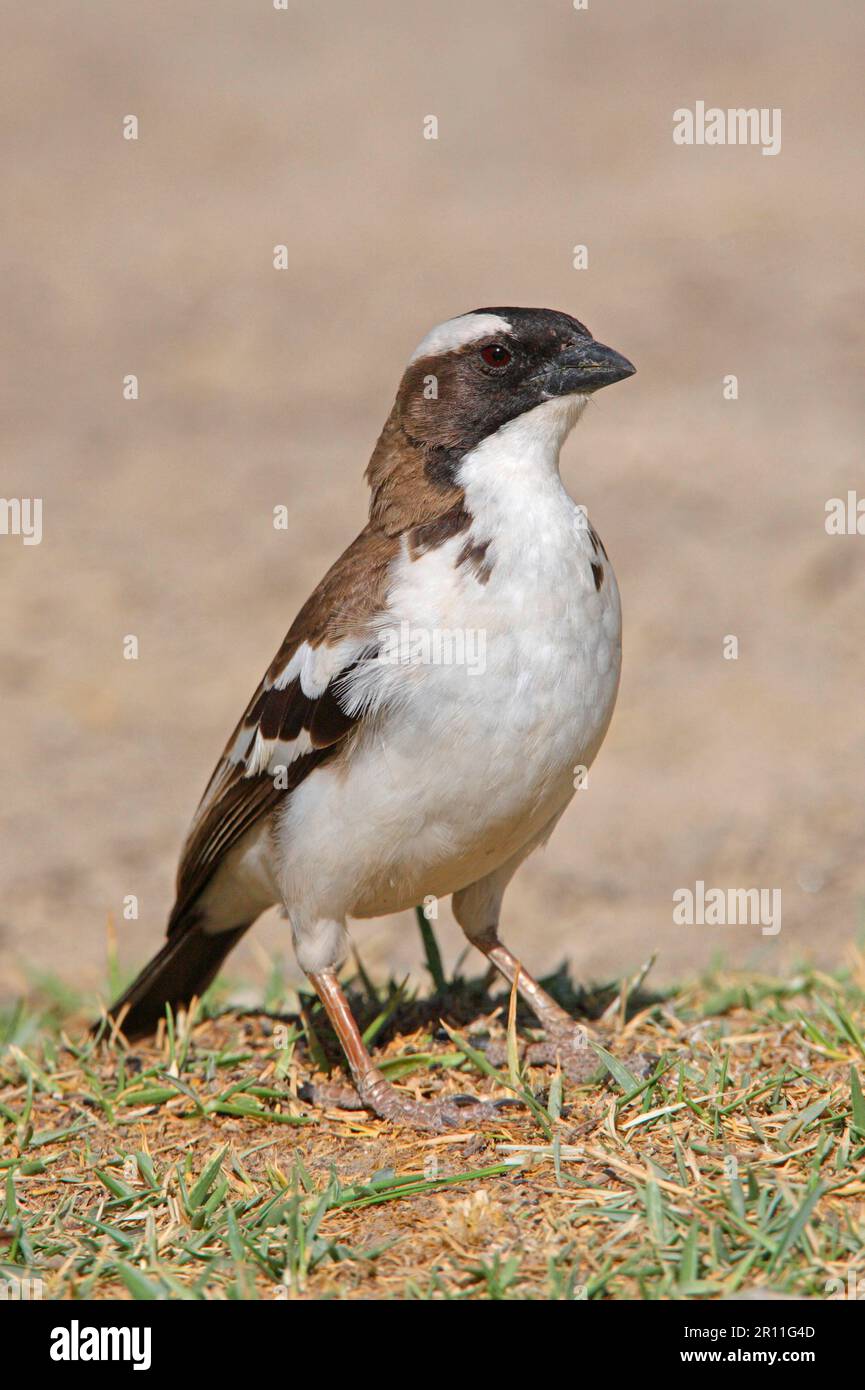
725,1150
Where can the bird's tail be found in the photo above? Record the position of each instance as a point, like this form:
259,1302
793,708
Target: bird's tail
184,968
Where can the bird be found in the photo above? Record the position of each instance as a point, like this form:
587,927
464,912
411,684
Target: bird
377,766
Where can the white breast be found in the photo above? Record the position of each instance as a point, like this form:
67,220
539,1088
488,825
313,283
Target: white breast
476,741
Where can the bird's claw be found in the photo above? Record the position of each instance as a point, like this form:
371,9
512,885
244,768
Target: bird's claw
430,1116
568,1048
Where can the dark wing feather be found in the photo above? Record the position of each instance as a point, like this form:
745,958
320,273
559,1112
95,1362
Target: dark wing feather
285,732
240,803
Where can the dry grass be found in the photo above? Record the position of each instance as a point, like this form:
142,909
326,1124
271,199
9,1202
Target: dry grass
188,1168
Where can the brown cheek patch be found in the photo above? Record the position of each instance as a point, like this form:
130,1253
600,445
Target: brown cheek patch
449,420
411,483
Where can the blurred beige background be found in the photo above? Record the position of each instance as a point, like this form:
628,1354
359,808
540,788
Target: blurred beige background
260,387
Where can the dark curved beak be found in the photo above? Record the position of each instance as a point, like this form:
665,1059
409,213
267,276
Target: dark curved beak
585,366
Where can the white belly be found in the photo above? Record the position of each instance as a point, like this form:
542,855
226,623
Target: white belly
468,760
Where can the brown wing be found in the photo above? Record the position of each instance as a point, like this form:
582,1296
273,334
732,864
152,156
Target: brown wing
297,718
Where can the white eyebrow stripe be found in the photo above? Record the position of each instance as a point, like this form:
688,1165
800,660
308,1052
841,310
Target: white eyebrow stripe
456,333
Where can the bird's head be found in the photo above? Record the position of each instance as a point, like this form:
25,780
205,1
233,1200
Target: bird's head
525,372
473,374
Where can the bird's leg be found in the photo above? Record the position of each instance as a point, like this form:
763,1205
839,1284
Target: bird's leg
374,1090
566,1041
477,909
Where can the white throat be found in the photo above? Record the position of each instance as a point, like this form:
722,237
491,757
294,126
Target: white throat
516,470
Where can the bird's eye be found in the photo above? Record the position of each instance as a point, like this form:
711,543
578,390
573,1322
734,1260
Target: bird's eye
495,355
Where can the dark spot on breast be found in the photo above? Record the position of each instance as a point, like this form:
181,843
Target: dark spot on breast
597,543
476,556
431,534
597,574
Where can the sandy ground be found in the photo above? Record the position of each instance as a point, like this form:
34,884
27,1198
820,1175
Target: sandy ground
261,387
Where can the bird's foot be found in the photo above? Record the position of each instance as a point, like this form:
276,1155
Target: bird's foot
376,1093
567,1045
570,1046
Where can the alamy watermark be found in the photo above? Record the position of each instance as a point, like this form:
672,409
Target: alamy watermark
408,645
22,516
739,125
15,1290
845,516
77,1343
728,907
